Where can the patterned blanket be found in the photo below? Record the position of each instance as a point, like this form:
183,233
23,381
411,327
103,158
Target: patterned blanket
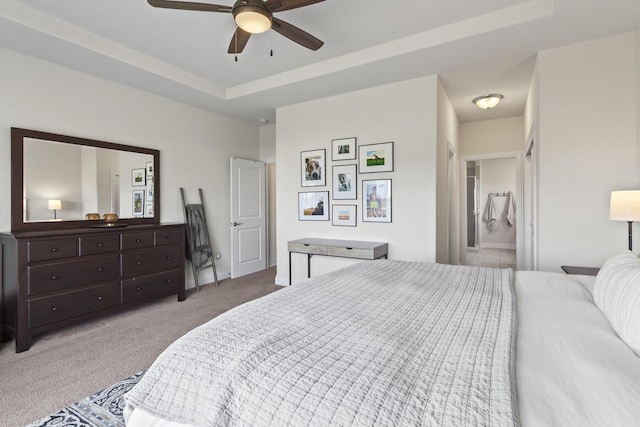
386,343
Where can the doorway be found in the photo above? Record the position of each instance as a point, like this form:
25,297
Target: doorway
491,198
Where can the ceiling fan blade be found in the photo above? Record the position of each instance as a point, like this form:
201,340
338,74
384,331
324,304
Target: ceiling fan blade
280,5
296,34
188,5
238,41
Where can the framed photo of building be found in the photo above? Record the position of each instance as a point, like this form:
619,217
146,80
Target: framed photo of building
312,168
345,182
313,206
344,215
376,200
376,157
343,149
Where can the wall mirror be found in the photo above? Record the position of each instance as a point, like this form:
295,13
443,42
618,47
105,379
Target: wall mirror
56,180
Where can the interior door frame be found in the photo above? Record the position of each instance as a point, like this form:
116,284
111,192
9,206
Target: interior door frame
531,193
519,201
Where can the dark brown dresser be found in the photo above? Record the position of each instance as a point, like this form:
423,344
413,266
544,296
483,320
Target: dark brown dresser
52,279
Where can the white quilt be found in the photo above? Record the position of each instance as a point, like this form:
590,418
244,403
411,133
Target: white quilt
386,343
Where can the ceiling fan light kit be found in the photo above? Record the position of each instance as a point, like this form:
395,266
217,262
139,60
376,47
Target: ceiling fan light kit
252,17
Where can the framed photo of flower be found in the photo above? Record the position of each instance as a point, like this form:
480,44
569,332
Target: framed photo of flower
343,149
376,200
312,168
376,157
313,206
344,215
345,182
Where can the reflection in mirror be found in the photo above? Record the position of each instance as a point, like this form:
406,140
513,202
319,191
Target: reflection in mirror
85,180
61,181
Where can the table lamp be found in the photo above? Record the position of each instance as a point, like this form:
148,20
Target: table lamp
55,205
625,206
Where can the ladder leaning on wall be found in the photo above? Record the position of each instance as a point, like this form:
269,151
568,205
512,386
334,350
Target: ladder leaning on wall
199,250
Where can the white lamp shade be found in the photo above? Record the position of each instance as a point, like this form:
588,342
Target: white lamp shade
625,205
55,205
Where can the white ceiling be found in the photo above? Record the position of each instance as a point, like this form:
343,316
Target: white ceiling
474,46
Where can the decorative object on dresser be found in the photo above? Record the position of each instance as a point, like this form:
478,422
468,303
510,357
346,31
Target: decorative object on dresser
52,279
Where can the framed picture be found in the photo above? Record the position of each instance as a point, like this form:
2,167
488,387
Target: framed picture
150,190
376,157
345,182
343,149
312,164
344,215
148,210
149,168
313,206
137,203
138,177
376,200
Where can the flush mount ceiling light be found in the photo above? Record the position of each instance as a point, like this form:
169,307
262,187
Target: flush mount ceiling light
488,101
252,16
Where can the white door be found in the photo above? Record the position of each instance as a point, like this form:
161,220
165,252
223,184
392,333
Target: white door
248,217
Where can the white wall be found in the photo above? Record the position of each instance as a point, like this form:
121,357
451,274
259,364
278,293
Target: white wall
588,147
492,136
194,145
404,113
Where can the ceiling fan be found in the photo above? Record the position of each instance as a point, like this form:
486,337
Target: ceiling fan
253,17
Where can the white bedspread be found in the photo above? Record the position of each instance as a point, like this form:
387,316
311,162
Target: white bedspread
380,343
571,367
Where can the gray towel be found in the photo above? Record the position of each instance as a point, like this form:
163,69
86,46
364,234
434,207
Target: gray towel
491,213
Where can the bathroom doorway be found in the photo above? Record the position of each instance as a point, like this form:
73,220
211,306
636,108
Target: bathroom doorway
491,200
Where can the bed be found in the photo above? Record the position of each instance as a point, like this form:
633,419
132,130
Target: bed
403,343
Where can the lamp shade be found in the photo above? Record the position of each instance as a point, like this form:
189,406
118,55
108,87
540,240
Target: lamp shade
625,205
55,205
253,20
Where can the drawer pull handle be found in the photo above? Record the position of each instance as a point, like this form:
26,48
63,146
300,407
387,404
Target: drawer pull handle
100,245
167,237
100,269
306,244
138,262
54,249
137,240
99,297
54,308
169,257
348,249
138,289
169,281
54,277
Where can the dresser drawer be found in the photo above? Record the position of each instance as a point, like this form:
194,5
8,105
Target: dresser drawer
43,250
147,286
64,306
57,276
102,244
142,239
170,236
141,263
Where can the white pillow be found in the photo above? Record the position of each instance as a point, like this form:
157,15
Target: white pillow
616,292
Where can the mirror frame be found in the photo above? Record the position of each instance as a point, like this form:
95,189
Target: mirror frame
17,180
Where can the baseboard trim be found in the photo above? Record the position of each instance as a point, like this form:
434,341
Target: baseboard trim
510,246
